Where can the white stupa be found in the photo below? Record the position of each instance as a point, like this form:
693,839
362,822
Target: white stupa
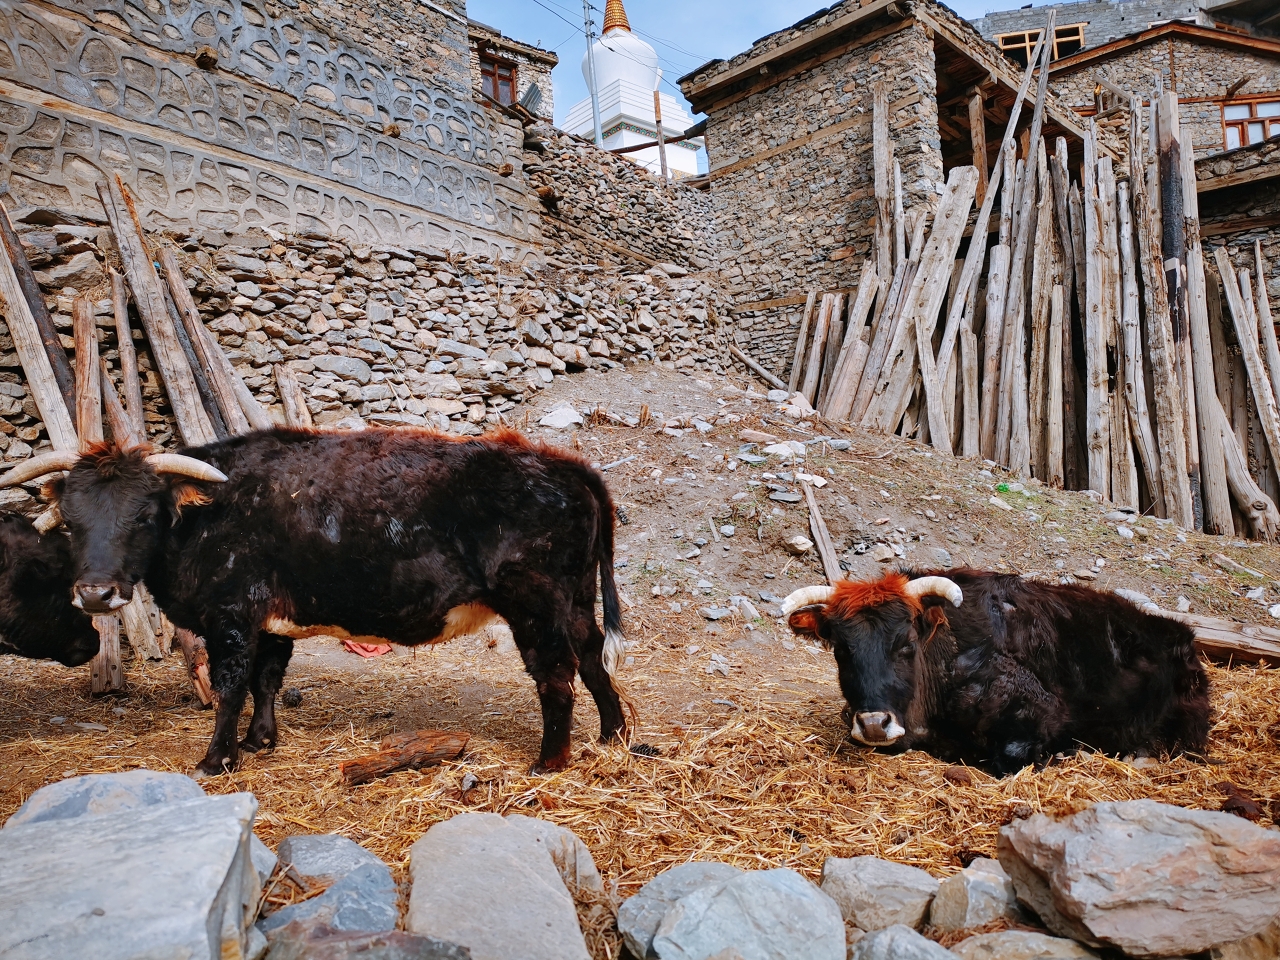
626,75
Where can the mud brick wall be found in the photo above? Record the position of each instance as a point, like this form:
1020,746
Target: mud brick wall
804,218
229,116
1201,73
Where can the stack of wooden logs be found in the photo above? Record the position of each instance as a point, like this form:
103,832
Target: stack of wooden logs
1092,352
208,399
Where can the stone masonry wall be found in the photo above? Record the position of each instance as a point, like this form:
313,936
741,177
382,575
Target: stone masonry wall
1200,72
1259,201
804,218
530,69
1105,20
230,116
609,198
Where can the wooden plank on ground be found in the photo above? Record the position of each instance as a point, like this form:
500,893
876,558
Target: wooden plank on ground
757,369
821,536
405,751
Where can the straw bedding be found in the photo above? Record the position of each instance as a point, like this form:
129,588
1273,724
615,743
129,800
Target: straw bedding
752,769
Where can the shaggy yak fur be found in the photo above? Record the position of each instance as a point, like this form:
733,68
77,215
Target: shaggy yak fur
1018,672
406,535
37,619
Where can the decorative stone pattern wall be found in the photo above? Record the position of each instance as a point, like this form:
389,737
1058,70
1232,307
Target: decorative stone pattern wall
1200,72
804,218
609,198
533,65
1105,20
291,128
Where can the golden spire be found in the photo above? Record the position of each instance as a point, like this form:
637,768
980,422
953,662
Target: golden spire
615,16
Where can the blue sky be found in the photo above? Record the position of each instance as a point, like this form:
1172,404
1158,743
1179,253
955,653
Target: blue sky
686,33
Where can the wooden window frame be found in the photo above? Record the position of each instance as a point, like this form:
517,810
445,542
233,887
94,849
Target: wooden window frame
490,78
1271,124
1027,40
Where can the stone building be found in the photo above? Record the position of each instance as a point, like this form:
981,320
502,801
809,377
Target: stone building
789,142
510,71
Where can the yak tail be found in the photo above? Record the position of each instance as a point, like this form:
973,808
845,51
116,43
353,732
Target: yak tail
614,650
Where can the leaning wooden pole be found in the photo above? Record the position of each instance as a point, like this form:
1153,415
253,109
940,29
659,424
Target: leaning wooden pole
882,165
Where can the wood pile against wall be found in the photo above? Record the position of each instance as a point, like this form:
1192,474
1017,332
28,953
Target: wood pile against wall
1081,340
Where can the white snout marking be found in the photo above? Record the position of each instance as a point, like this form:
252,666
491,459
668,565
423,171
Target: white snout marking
459,621
893,731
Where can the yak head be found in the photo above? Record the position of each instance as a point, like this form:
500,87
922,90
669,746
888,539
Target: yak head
37,619
115,505
880,633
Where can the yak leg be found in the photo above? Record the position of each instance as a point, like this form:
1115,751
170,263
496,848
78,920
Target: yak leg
613,724
229,672
269,664
549,660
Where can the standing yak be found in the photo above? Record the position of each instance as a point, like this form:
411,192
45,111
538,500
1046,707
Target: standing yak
407,535
1016,672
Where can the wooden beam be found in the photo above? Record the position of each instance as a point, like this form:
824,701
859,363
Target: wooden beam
978,140
821,537
404,751
756,305
882,165
755,368
128,356
39,312
1266,171
797,361
88,384
292,398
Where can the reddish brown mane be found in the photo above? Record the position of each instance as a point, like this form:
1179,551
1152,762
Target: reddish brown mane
852,596
109,459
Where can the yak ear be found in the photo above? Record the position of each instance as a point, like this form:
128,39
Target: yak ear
186,495
811,622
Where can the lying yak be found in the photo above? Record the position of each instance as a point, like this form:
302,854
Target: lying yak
37,618
407,535
995,670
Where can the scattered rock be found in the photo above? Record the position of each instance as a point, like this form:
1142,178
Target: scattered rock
166,880
881,553
562,418
349,368
757,436
324,858
83,271
980,893
1150,879
798,545
762,914
492,887
898,943
1020,945
1261,946
640,915
875,894
99,793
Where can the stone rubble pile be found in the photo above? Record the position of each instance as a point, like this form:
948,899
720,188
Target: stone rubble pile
144,864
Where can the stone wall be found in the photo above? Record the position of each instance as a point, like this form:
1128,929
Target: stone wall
1105,20
1256,203
533,65
228,116
1200,72
804,218
608,209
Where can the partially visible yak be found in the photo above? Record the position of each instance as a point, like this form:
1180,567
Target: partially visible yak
37,618
998,671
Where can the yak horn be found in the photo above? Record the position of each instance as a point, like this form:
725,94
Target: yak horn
39,466
176,463
804,597
935,587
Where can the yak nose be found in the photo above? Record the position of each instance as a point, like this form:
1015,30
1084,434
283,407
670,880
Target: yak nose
876,728
98,597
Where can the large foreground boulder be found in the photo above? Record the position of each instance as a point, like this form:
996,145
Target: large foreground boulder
1146,878
757,915
979,894
490,884
640,915
172,880
898,942
308,942
874,894
1020,945
98,793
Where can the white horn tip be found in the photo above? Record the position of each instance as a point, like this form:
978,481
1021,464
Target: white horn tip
805,596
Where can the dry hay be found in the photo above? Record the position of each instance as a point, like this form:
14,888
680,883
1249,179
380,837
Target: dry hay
772,783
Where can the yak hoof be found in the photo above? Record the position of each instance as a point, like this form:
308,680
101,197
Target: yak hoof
542,768
255,746
204,769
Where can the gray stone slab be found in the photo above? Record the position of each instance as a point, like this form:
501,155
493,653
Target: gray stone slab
874,894
303,942
570,855
898,943
1020,945
640,915
264,861
99,793
171,881
978,894
761,915
324,857
490,886
363,901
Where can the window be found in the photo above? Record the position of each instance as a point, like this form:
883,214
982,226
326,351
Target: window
1250,122
1019,46
498,80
